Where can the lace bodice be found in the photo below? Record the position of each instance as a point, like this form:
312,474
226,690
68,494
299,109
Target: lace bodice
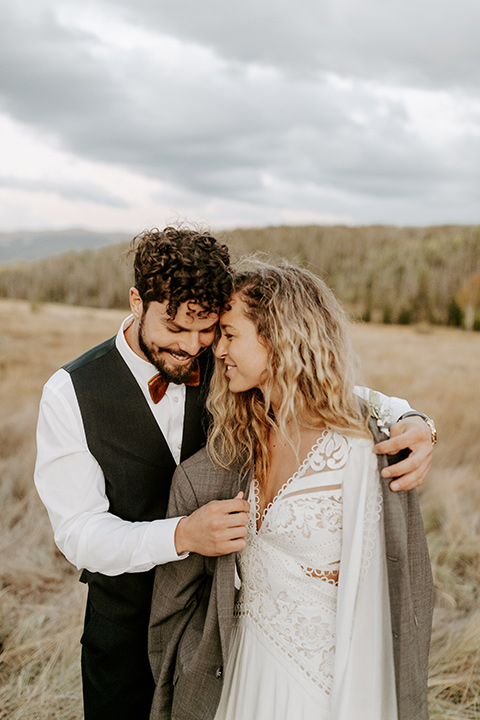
289,569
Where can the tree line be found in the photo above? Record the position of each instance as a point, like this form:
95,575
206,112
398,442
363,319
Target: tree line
381,273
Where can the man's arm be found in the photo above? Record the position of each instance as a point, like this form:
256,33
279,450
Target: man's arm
410,433
72,487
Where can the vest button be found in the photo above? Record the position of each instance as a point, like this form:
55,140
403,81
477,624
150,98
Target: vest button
219,673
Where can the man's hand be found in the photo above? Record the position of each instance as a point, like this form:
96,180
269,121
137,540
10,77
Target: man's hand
412,433
217,528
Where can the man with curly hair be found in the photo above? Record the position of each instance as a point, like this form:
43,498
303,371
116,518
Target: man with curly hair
112,427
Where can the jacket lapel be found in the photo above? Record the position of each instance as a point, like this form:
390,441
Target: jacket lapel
225,575
225,595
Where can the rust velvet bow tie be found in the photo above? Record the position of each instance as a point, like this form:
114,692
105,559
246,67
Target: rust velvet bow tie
158,386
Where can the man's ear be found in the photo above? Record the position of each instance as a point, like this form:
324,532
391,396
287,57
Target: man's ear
136,303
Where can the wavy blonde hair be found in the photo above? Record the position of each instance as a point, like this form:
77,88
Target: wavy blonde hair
311,363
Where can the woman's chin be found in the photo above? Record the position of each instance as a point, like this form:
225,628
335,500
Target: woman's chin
235,387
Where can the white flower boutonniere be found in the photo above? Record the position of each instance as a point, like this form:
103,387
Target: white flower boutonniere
381,412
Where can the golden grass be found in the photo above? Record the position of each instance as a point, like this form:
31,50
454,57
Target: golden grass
437,370
41,600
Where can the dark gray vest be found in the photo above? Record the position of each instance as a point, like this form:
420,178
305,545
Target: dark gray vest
124,438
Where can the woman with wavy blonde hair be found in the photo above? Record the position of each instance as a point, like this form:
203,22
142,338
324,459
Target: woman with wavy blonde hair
321,628
310,367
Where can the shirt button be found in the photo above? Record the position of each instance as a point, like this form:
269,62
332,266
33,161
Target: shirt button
179,447
219,673
175,399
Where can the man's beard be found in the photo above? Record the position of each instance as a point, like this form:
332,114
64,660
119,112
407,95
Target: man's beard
176,375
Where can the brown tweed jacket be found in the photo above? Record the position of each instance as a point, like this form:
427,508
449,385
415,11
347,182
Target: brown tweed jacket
192,606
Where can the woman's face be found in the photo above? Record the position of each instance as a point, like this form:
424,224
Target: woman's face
241,348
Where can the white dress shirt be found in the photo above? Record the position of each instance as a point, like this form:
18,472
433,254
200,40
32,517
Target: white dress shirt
71,484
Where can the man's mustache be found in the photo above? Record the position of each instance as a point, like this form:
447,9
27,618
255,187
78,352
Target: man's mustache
182,353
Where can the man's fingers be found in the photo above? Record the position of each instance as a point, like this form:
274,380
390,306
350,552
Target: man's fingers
217,528
393,445
229,547
419,458
400,468
235,520
405,434
409,480
210,529
226,540
235,505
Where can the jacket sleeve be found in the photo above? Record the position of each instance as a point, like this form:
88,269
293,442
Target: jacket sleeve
411,592
178,590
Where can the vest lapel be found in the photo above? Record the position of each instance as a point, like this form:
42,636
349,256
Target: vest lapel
195,420
139,407
193,433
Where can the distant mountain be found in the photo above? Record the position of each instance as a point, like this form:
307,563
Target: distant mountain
32,246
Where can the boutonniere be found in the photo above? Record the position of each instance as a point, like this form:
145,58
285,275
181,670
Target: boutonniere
381,412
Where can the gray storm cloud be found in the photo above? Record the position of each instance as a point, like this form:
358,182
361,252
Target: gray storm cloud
308,107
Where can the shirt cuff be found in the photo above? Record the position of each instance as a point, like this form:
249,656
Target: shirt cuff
162,541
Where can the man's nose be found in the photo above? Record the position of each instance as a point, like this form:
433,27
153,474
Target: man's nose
190,343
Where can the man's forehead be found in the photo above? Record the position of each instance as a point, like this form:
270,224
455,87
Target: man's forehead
188,312
191,308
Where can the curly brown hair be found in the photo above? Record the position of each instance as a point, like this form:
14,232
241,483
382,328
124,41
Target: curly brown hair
181,264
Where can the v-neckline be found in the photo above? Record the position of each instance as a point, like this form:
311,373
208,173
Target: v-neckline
260,518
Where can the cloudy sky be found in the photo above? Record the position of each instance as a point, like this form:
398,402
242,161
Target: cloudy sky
122,114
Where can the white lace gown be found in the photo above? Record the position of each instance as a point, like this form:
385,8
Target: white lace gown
282,651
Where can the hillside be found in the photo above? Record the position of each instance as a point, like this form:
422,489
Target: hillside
30,246
381,273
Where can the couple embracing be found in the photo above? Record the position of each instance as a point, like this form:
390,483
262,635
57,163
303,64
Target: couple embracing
293,579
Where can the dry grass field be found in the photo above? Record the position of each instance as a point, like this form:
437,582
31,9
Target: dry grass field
41,601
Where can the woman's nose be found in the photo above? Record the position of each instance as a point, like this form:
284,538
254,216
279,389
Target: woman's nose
221,349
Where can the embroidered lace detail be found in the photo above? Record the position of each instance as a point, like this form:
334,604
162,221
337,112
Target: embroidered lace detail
289,568
330,452
330,576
